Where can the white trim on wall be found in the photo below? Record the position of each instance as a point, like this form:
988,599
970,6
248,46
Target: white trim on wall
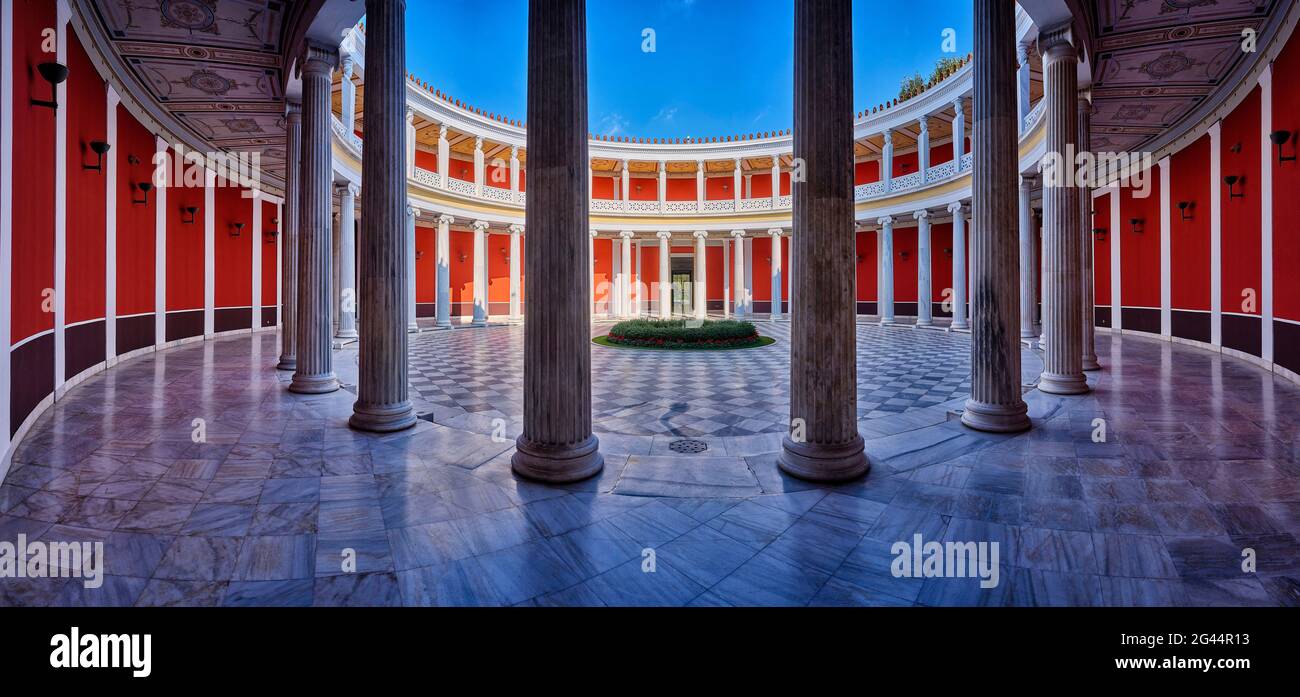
256,301
1266,212
1116,261
61,202
160,250
1166,285
209,253
110,227
279,266
6,217
1216,236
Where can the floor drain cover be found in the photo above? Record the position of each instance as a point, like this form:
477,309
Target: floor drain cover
688,445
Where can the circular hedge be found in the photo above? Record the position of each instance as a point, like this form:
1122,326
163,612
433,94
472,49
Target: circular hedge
684,334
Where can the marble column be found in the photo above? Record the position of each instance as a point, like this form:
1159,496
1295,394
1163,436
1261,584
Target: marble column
886,269
958,266
480,273
591,263
625,275
924,292
923,148
823,443
1028,284
557,444
700,284
740,292
665,274
735,184
383,403
514,168
887,160
412,325
663,184
444,271
699,185
1022,82
315,371
478,166
1063,301
516,248
1088,312
410,142
289,238
347,329
778,272
776,182
336,295
349,106
995,402
444,157
958,131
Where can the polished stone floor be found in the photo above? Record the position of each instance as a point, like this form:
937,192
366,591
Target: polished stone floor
1199,466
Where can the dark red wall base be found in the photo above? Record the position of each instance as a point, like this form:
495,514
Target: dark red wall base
1140,319
268,316
1193,326
229,319
1286,345
184,324
1243,333
1102,315
32,378
134,333
84,346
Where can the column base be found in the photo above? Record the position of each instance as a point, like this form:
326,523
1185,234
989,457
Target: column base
289,364
1052,383
314,384
924,323
996,418
516,319
823,463
1090,363
382,418
346,335
557,464
887,321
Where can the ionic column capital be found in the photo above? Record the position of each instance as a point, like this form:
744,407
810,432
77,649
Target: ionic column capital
627,234
1028,182
885,221
445,219
776,232
347,189
888,136
921,215
481,225
593,232
738,234
664,235
516,229
1057,43
700,234
319,58
955,208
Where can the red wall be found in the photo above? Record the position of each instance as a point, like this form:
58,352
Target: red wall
462,272
714,272
87,121
762,274
940,261
184,240
1140,252
905,269
1286,185
33,191
680,189
1241,216
1189,240
426,264
904,164
1101,250
867,266
499,268
602,273
135,224
866,172
426,160
940,154
270,263
233,286
602,187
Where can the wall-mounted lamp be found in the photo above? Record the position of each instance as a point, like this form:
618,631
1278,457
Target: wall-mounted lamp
726,187
132,160
948,251
1183,207
273,233
98,147
903,254
1099,233
1136,225
144,187
1235,148
505,253
419,254
238,230
189,211
462,257
1232,180
54,73
1279,139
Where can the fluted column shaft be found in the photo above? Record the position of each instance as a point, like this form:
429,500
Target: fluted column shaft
1028,284
444,271
778,272
516,248
557,443
383,403
1087,324
289,238
924,293
1062,302
625,275
739,291
995,403
412,325
665,275
823,443
315,371
480,273
886,270
700,283
347,328
959,320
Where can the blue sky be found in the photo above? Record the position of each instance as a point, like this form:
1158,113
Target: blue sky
719,67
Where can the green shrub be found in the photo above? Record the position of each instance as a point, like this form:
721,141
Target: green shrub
674,333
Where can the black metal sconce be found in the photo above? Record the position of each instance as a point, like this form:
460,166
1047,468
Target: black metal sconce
1135,224
462,257
1232,180
903,254
1279,139
190,211
144,187
132,160
1235,148
859,258
270,236
505,253
238,230
1183,206
419,254
1099,233
99,147
948,251
54,73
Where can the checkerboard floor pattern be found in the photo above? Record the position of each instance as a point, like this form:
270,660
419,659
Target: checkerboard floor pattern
690,394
